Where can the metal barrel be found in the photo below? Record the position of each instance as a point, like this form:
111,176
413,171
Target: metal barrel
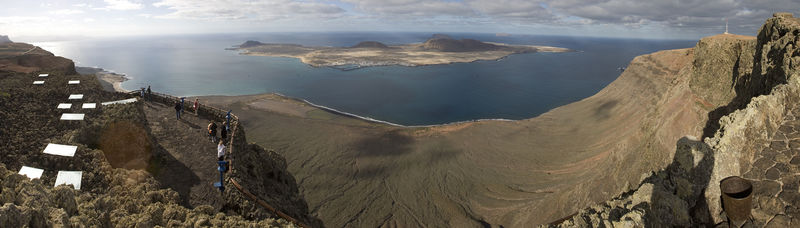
737,194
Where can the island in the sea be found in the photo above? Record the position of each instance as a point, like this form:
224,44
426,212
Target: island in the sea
439,49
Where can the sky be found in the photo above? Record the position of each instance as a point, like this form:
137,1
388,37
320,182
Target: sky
647,19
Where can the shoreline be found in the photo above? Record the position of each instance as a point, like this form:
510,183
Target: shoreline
368,119
110,81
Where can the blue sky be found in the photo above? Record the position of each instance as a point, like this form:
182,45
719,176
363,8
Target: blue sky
672,19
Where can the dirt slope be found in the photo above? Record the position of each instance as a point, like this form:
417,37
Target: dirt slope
358,173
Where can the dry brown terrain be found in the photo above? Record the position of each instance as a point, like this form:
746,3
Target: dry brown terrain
407,55
511,173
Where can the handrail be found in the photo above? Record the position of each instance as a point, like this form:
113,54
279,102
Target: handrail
265,204
169,99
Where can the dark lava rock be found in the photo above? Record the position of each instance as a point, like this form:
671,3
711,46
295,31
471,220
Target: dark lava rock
773,174
5,39
370,44
250,43
453,45
767,188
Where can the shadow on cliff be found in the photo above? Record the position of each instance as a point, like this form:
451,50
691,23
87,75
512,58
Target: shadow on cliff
683,180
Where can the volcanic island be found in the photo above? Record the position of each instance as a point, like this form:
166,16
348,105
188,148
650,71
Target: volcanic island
439,49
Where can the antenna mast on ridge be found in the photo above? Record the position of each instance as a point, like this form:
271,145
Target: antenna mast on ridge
726,26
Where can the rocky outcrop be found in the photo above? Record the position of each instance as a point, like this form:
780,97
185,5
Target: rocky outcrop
26,58
5,39
250,43
687,192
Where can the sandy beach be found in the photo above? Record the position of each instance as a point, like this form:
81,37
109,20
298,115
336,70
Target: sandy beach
110,81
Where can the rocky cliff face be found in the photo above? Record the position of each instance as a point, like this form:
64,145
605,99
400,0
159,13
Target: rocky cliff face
4,39
21,57
761,88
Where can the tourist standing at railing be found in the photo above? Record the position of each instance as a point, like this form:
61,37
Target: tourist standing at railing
212,131
182,98
149,93
178,110
220,151
223,134
196,104
228,120
142,92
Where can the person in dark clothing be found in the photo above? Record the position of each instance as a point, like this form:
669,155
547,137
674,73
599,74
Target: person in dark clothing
148,93
178,109
228,120
223,134
182,99
212,131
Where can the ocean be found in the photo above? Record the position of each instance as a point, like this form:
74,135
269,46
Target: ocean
516,87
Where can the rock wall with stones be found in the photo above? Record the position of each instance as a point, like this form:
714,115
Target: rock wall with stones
760,99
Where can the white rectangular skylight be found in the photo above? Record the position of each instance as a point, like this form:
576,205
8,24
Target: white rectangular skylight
30,172
89,105
74,82
75,96
69,177
64,106
72,116
38,82
43,75
61,150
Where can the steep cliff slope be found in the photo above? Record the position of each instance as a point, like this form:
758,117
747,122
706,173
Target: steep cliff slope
751,136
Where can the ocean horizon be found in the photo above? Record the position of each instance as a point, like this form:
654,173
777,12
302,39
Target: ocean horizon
516,87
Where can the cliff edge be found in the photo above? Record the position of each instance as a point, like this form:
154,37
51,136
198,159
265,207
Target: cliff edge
752,135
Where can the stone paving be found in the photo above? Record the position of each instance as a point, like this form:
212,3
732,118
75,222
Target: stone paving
775,173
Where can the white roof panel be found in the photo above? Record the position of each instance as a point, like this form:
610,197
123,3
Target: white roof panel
72,116
120,101
89,105
69,177
75,96
30,172
38,82
74,82
64,106
61,150
43,75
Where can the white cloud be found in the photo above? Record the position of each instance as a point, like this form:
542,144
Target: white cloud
121,5
22,20
247,10
65,12
87,20
412,7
